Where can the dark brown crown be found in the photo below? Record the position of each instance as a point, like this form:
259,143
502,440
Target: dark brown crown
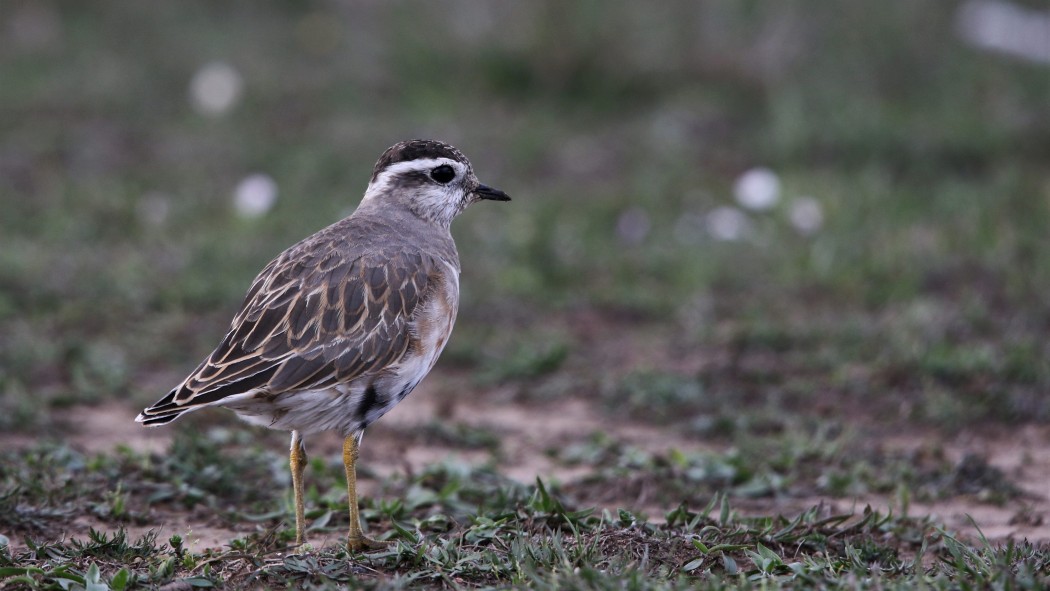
414,150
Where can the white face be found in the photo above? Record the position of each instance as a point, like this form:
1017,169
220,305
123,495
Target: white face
437,189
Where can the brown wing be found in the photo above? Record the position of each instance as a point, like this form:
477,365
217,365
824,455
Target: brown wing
310,320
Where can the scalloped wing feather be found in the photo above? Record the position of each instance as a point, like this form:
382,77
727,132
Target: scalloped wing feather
310,321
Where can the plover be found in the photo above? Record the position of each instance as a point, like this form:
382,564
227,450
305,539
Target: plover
340,327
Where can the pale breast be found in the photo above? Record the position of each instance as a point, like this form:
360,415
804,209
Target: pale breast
431,327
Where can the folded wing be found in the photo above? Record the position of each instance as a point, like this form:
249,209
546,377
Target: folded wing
309,323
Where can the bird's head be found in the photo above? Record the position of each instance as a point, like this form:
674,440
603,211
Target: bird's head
430,178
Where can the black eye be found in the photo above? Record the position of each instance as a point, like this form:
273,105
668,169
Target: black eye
443,174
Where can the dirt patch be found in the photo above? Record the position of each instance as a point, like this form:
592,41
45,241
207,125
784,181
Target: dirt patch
196,536
1022,454
528,433
103,427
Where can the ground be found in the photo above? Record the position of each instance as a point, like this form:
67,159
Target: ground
768,307
530,432
921,486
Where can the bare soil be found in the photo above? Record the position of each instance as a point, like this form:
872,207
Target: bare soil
528,432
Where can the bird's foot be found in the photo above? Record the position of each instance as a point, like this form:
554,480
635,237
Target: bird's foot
360,543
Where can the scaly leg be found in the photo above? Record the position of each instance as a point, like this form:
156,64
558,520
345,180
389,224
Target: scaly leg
298,463
356,540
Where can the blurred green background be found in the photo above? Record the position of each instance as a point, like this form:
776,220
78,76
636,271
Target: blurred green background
895,256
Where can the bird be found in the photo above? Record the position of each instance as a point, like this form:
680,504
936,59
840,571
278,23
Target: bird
343,325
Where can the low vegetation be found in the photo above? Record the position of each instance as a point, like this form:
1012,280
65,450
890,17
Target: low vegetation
859,337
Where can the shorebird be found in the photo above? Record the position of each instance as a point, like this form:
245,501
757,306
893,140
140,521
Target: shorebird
340,327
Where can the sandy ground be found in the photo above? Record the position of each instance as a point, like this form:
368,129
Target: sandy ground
529,431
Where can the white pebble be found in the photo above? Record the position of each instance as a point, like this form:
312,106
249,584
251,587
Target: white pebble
727,223
757,189
215,89
1006,27
806,215
255,195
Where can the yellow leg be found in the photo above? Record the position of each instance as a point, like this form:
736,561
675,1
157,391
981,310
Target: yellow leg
298,463
356,540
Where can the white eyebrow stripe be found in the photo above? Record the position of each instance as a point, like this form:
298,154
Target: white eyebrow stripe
422,164
382,182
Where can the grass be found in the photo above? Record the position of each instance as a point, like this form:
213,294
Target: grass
775,364
476,529
788,464
458,525
931,195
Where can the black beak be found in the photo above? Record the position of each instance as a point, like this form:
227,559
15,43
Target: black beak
487,192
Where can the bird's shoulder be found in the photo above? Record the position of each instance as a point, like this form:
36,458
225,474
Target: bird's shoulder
330,308
349,276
